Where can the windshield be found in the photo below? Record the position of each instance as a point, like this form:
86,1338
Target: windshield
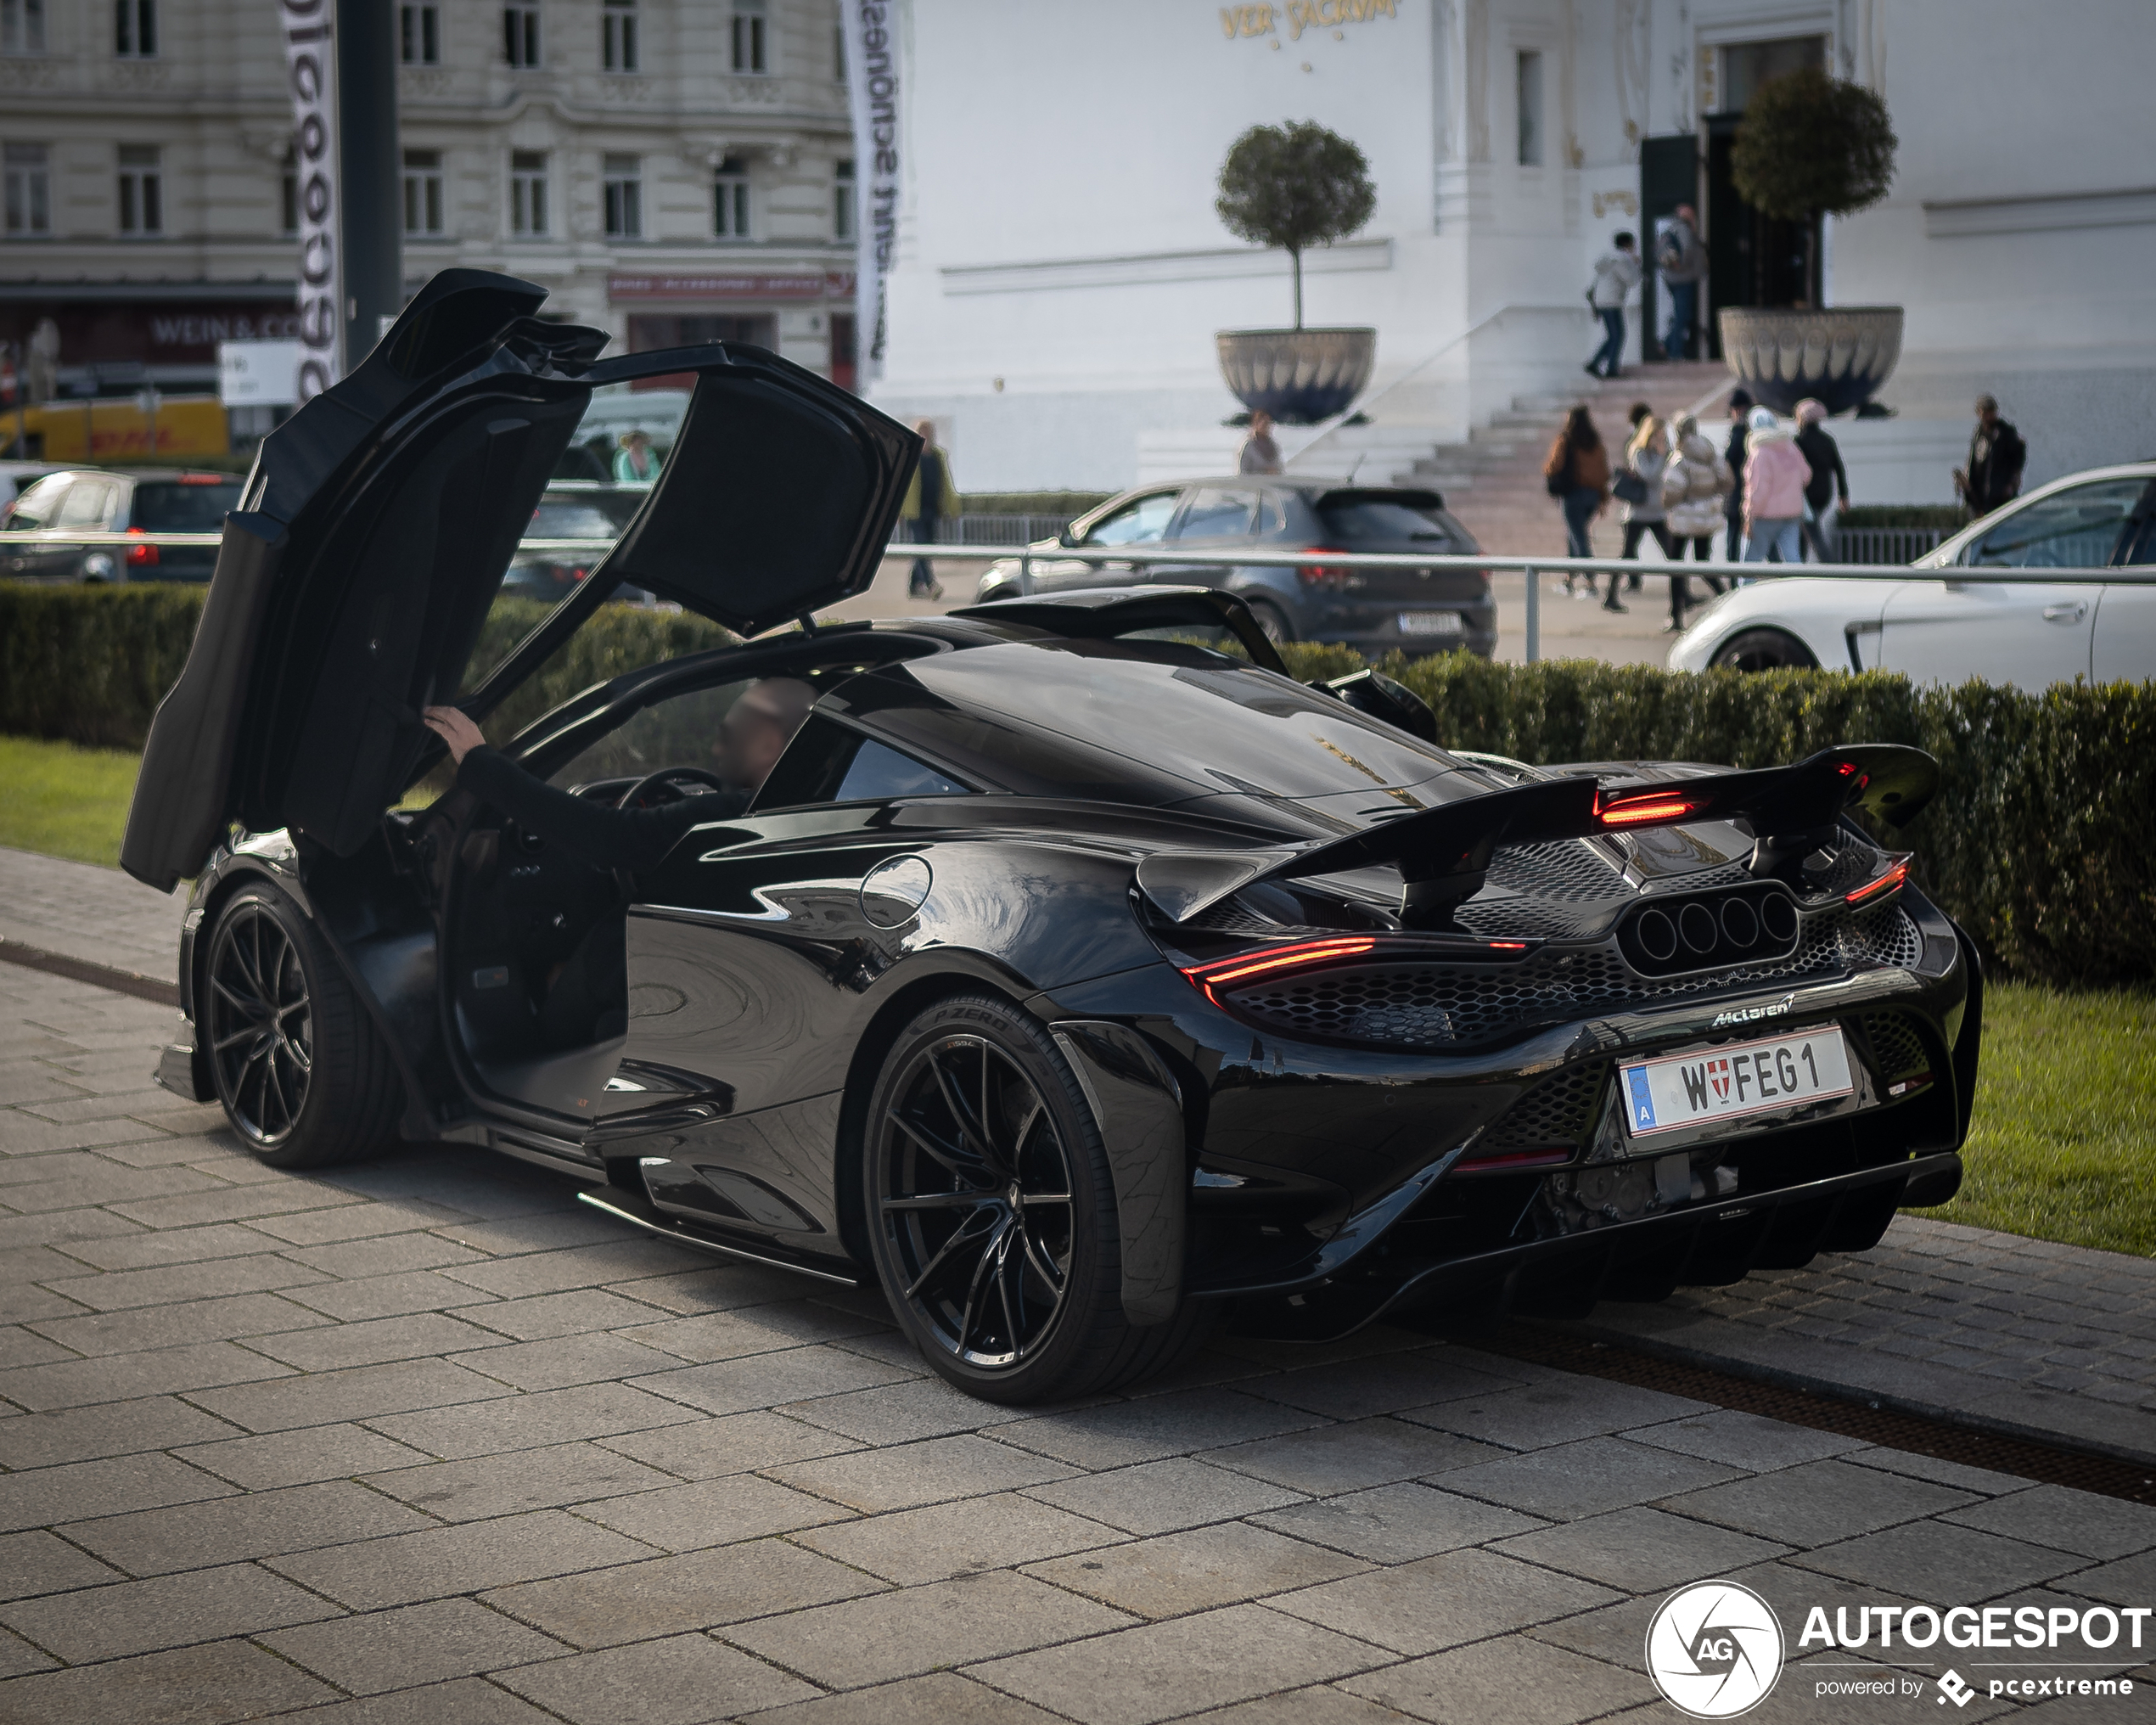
184,506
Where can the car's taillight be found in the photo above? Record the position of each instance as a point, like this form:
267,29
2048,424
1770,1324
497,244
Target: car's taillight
1646,811
137,555
1884,887
1497,1161
1261,965
1325,575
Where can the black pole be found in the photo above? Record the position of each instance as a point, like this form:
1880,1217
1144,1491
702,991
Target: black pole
371,172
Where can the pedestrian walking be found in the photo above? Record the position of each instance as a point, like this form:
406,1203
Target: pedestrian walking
1633,415
1577,474
930,496
1639,487
1259,453
1694,484
1740,408
635,462
1996,456
1775,475
1616,274
1825,493
1682,261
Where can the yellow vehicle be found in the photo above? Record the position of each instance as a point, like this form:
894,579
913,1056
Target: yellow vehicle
114,429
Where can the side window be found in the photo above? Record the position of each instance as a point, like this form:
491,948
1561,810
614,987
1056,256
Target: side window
2076,529
84,506
1142,521
1272,518
1216,512
827,762
2138,547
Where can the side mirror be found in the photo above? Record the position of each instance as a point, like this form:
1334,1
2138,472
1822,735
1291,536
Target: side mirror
1376,695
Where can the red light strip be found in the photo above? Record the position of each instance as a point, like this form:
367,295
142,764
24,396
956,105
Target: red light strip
1279,958
1887,882
1660,808
1514,1159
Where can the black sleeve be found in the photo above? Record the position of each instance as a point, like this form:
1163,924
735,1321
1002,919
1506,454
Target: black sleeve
1841,474
589,832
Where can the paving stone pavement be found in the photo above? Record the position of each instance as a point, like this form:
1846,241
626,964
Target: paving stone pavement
420,1439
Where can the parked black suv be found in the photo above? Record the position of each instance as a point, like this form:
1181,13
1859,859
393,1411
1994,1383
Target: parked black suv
1373,610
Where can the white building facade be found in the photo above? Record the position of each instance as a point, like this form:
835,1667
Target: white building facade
1062,271
670,170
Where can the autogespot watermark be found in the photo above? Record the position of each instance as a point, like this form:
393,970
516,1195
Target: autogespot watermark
1716,1650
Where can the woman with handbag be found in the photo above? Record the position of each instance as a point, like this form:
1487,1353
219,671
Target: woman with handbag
1638,487
1577,474
1696,486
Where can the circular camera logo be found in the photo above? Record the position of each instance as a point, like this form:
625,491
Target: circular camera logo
1714,1650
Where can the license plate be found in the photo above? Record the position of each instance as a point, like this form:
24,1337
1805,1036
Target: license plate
1430,623
1735,1080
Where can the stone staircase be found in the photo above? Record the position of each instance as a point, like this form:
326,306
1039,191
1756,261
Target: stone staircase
1493,482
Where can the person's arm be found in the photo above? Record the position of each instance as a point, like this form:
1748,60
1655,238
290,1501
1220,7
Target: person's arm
1841,473
591,833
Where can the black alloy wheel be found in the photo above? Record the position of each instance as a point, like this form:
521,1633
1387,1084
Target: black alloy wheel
260,1022
1763,649
991,1215
298,1066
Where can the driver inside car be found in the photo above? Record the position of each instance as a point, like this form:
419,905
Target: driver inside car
752,736
586,996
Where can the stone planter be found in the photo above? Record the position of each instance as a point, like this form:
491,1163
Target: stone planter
1839,356
1299,376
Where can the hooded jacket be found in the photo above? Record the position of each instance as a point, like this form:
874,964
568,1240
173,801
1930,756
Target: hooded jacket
1693,486
1775,474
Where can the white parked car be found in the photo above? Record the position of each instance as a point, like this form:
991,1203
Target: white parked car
1936,629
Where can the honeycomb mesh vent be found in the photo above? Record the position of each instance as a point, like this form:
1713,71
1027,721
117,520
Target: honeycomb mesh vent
1895,1042
1559,1110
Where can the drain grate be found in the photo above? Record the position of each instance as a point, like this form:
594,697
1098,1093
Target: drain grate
1891,1428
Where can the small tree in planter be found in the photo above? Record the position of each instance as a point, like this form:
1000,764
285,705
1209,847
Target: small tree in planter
1808,146
1295,185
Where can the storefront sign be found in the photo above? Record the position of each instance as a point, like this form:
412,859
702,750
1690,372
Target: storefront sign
311,66
715,286
871,73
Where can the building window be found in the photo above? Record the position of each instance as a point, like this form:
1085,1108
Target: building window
521,34
22,26
730,199
142,190
422,191
528,193
748,23
418,35
289,212
1530,110
842,201
30,188
624,186
134,29
618,36
839,52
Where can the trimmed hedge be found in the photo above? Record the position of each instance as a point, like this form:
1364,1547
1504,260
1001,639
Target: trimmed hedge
2042,839
1945,518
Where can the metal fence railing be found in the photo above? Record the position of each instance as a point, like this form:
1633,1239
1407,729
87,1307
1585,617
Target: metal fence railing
1876,545
1133,558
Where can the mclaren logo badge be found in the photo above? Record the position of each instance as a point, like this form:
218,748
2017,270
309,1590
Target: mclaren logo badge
1752,1015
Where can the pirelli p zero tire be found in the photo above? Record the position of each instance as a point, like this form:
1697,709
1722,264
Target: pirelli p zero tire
299,1066
991,1213
1763,649
1272,621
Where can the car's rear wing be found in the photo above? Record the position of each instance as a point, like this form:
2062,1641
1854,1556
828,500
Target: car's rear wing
1442,854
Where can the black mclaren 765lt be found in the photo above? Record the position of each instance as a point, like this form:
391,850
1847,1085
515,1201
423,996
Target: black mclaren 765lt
1077,982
